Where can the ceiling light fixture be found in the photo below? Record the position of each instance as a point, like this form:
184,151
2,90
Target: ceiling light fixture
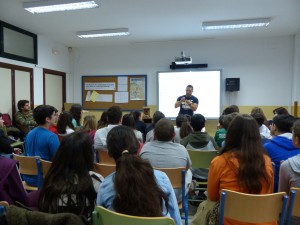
235,24
103,33
59,5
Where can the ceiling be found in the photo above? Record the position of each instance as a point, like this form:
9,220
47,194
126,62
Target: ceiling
156,20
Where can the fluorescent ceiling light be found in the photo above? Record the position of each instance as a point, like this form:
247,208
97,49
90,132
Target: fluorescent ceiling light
103,33
234,24
59,5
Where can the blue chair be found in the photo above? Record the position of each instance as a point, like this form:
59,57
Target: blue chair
253,208
294,205
177,179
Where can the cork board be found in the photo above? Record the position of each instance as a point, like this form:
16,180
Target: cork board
103,91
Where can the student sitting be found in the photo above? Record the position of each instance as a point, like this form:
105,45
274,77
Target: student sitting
290,169
11,187
71,185
64,125
76,111
128,121
90,125
242,165
5,142
135,188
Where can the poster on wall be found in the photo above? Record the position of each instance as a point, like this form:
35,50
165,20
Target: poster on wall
137,88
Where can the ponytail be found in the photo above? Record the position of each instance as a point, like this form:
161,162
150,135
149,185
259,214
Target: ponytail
137,192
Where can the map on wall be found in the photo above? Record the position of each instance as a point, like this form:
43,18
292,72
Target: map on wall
137,88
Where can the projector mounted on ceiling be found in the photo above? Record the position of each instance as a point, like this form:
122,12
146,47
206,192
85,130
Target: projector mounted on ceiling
183,60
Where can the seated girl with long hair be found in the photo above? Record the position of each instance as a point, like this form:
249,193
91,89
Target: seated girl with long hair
64,124
135,188
90,125
243,164
71,185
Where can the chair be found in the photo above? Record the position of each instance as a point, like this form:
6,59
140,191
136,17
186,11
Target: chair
106,217
105,158
27,166
43,167
177,179
104,169
201,159
294,204
253,208
15,144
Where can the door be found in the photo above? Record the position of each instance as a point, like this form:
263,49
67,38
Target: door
54,88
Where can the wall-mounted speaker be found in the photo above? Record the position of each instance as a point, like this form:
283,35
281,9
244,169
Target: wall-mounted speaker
232,84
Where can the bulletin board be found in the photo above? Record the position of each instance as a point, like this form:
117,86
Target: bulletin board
103,91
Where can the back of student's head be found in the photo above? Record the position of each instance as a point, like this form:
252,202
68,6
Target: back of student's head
114,115
259,118
157,116
227,119
259,110
185,129
69,175
136,115
231,109
243,140
76,111
164,130
180,119
284,123
296,129
221,120
197,122
41,112
280,111
127,120
102,122
89,123
64,121
132,175
21,104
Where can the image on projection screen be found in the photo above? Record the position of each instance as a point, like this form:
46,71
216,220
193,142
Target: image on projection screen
207,85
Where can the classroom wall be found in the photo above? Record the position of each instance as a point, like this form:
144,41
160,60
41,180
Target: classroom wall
267,67
51,55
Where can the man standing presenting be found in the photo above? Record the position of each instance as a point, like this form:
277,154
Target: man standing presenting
188,103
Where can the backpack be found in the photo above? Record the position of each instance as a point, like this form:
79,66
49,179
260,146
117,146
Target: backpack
7,120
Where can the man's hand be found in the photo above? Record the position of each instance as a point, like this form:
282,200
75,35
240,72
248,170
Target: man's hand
17,151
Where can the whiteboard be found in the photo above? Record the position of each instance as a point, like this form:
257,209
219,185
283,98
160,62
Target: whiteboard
207,88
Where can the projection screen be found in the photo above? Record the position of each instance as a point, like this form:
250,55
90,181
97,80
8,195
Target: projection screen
207,88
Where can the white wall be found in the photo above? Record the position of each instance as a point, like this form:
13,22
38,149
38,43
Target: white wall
265,65
269,68
59,61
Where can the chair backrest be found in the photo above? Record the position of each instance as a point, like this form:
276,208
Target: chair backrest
7,120
294,204
202,158
106,217
105,158
174,175
252,208
27,164
104,169
45,167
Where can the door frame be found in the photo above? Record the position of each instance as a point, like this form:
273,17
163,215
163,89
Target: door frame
55,73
